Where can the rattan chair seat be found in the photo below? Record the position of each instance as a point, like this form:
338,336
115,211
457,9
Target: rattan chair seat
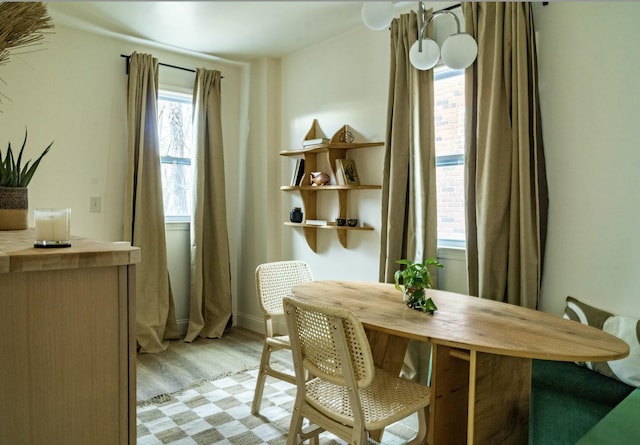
386,400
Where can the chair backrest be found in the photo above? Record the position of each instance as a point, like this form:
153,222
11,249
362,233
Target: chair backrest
329,342
274,281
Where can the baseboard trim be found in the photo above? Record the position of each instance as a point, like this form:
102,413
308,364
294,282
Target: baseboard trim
250,322
183,326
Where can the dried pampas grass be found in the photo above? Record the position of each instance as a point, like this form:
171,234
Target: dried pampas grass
21,25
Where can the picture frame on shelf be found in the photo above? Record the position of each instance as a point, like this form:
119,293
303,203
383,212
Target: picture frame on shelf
339,173
349,172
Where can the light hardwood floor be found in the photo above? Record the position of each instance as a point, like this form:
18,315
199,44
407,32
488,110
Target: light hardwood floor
185,364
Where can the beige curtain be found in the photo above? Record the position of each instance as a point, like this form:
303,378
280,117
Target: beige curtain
210,303
144,212
409,212
505,169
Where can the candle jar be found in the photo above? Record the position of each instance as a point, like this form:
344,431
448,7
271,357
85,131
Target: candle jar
52,227
295,215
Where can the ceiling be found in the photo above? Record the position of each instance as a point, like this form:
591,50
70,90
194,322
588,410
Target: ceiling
233,30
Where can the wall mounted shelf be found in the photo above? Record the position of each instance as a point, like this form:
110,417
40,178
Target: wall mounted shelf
335,149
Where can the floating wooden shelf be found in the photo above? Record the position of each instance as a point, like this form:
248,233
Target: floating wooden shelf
323,148
326,188
328,226
335,149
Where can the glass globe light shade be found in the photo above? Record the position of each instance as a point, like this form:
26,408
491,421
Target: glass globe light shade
377,15
426,59
459,51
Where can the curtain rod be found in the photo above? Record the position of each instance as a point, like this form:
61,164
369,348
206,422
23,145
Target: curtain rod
162,64
449,8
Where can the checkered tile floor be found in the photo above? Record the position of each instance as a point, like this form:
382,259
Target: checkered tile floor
219,412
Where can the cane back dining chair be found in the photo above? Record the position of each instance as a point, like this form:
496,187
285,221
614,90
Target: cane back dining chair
273,282
338,387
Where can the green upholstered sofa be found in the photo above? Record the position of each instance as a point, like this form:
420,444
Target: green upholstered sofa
568,400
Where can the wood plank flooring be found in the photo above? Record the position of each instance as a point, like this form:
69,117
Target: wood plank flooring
185,364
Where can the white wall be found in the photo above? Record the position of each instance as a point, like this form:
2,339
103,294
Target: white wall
342,81
259,201
73,91
590,98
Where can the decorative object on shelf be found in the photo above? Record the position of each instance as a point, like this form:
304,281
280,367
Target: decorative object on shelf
14,179
53,227
295,215
347,171
316,222
341,221
416,278
319,178
314,136
459,50
343,136
316,141
352,222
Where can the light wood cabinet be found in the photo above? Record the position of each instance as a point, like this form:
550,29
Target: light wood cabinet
68,356
308,193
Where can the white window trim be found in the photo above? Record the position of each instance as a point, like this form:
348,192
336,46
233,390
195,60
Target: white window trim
185,95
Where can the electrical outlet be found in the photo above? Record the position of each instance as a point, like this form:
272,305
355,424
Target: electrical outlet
95,204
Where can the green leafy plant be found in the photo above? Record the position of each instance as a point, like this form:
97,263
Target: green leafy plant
12,173
416,278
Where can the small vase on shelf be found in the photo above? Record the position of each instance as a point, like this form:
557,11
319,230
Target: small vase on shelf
295,216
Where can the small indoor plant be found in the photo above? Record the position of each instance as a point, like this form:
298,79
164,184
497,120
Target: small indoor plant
416,278
14,179
12,172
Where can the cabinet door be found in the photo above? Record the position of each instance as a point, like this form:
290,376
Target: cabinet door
65,360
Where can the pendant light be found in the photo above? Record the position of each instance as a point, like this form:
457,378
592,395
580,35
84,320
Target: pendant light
458,51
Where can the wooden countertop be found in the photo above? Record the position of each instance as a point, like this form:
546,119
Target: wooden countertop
468,322
17,253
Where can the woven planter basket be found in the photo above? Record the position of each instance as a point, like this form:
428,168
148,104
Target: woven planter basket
14,208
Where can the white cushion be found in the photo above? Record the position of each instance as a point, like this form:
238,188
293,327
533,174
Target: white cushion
626,370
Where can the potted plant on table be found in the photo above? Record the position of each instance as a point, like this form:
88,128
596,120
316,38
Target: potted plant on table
416,278
14,179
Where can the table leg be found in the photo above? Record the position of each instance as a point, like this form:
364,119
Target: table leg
479,398
449,396
500,388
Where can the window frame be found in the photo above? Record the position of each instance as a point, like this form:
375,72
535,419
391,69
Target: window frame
185,96
441,72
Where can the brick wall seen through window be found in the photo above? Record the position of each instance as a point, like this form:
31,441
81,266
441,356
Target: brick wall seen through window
449,133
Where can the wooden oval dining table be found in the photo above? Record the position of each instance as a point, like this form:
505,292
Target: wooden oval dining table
481,353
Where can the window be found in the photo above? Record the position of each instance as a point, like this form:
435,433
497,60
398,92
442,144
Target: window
176,151
449,132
